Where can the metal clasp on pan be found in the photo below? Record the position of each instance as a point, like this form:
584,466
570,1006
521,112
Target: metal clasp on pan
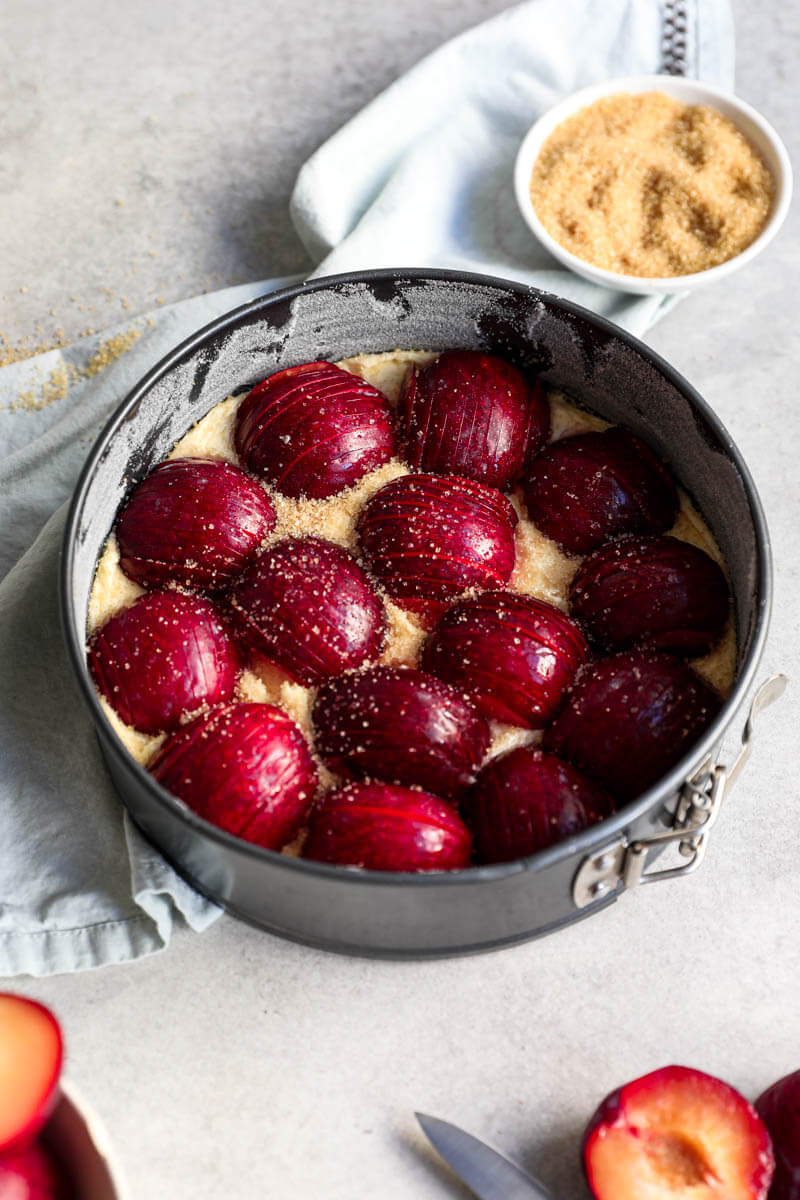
622,864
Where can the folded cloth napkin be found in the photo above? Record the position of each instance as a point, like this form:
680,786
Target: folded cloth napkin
423,175
427,183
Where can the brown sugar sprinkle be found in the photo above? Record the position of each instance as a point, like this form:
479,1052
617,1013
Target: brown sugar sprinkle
57,383
642,184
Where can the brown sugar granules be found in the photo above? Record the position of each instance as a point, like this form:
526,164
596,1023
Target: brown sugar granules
642,184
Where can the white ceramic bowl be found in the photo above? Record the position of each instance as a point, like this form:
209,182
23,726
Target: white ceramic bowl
690,91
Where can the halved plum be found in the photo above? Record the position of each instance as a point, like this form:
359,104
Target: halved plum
657,591
526,800
32,1174
313,430
779,1109
194,522
586,489
31,1054
674,1134
629,718
307,605
427,538
164,656
384,827
513,655
244,767
400,725
472,414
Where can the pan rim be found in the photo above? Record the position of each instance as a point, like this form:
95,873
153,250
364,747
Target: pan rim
596,836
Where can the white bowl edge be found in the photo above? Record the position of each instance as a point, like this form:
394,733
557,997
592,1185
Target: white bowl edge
692,91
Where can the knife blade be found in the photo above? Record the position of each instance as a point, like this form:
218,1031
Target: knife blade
487,1173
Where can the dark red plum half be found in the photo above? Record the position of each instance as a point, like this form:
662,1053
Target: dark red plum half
657,591
586,489
427,538
629,718
307,605
526,800
384,827
244,767
32,1174
167,655
193,522
779,1109
472,414
400,725
514,655
313,430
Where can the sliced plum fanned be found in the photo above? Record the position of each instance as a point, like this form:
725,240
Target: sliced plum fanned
427,538
313,430
193,522
385,827
472,414
306,605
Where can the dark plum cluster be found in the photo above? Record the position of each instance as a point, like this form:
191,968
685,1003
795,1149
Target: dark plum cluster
605,682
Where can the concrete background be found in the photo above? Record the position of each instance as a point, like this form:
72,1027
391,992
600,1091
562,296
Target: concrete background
147,153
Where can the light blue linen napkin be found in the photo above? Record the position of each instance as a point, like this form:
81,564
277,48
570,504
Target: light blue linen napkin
421,177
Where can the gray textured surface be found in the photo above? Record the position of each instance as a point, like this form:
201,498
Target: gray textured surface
236,1064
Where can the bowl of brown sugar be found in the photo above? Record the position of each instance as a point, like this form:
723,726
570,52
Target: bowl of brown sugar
653,184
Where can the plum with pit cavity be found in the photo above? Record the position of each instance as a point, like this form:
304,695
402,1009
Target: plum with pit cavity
306,605
313,430
384,827
193,522
472,414
163,657
586,489
244,767
677,1134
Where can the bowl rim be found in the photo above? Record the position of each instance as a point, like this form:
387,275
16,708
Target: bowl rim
681,87
604,832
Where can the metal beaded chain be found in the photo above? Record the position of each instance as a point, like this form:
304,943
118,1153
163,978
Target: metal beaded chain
673,41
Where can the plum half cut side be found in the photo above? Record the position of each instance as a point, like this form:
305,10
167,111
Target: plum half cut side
192,522
246,768
306,605
385,827
313,430
656,591
513,655
586,489
428,538
472,414
677,1132
526,800
402,726
31,1055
